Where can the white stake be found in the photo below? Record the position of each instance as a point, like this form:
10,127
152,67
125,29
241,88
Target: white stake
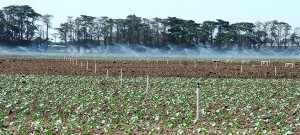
147,86
195,64
167,61
241,69
81,64
87,65
76,62
275,71
106,74
121,76
95,68
70,60
216,65
197,104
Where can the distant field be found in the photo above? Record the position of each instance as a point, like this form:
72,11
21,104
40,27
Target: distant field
81,104
141,56
153,68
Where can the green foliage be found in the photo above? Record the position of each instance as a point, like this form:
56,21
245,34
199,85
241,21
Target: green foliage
18,23
76,104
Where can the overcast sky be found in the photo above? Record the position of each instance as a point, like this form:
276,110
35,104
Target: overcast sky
198,10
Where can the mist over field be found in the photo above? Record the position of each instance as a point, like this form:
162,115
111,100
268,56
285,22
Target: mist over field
119,50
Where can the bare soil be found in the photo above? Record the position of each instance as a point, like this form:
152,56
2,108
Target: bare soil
130,68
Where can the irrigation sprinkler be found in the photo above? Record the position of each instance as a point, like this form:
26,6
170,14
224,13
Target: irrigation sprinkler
264,63
289,65
197,104
87,65
147,86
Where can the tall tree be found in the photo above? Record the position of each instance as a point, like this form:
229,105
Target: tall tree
47,21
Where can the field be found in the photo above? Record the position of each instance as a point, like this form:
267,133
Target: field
153,68
52,96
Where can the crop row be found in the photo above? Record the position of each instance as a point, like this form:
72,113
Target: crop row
77,104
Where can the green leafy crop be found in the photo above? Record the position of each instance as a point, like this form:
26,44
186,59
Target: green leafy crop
76,104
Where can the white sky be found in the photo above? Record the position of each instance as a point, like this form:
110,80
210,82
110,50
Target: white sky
198,10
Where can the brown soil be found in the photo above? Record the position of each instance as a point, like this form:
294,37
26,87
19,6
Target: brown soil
152,68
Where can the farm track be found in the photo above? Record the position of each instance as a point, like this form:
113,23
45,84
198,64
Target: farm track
130,68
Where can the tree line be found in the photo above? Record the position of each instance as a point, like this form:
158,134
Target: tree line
22,23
